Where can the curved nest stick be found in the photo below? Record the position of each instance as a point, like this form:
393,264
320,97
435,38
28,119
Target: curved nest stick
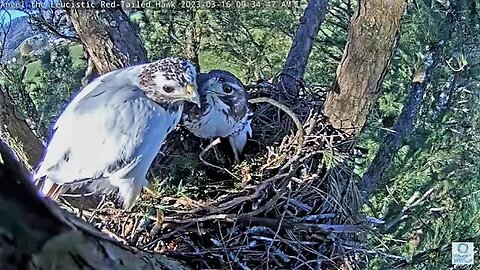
289,112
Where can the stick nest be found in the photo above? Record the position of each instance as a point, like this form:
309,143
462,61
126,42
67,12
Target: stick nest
291,204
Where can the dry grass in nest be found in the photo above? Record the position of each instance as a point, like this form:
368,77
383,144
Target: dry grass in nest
291,204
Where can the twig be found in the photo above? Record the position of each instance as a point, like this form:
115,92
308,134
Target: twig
204,151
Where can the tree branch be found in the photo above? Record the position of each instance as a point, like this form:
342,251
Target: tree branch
297,57
109,38
373,177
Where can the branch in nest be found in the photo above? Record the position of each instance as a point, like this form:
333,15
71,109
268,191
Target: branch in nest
204,151
298,124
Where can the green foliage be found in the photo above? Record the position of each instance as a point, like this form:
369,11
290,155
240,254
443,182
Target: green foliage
76,53
13,83
252,44
329,44
157,28
248,43
33,70
431,197
57,81
34,67
248,40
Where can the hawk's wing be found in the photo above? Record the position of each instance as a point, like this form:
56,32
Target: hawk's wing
116,79
112,131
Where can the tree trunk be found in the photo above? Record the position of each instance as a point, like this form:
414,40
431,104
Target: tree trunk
35,234
108,36
403,127
17,134
192,40
297,58
372,38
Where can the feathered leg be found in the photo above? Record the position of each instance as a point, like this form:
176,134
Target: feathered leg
238,142
129,189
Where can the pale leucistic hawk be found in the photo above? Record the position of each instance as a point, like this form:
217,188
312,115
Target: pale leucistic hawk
223,112
110,133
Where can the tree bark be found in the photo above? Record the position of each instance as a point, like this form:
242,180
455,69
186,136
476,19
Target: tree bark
192,40
372,38
403,127
297,58
35,234
17,134
108,36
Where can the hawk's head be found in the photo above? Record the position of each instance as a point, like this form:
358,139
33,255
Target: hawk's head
170,79
223,86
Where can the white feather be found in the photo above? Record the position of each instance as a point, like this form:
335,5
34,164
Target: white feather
238,141
215,124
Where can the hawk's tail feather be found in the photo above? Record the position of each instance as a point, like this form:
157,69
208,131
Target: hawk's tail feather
49,188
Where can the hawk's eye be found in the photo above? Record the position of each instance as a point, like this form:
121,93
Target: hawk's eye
168,89
227,89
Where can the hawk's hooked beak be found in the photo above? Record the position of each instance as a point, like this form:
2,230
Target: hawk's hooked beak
193,94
